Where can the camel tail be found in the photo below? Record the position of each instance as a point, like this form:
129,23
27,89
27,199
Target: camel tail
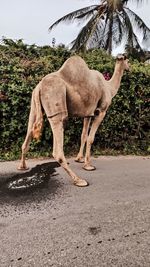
38,124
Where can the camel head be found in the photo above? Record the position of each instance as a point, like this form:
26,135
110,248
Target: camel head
123,62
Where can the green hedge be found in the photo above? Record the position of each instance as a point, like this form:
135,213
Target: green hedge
125,128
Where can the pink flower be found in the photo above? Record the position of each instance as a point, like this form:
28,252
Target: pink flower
106,75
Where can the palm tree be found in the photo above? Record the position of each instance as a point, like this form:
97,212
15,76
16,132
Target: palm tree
109,23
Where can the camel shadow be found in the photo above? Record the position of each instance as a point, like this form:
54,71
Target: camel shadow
35,185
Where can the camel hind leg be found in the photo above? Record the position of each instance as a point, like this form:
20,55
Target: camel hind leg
53,98
56,123
25,146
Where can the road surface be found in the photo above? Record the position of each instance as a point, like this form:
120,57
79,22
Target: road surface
54,223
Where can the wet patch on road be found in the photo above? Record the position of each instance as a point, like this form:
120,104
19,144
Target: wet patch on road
94,230
34,185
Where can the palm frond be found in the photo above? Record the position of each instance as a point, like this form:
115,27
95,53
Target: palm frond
135,1
112,32
86,16
97,35
118,30
102,35
138,2
88,13
100,9
108,45
86,32
140,25
73,15
131,40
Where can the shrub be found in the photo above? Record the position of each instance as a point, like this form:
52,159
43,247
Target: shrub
125,128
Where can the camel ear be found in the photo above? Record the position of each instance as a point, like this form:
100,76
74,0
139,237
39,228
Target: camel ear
125,56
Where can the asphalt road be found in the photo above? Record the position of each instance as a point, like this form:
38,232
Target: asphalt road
53,223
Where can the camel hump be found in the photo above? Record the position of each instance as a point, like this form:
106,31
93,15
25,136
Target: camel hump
53,96
74,70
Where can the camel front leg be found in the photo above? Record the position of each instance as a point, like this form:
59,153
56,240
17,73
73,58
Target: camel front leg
84,135
97,121
58,133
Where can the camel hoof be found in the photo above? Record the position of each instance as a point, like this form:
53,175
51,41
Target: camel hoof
81,183
89,167
79,160
22,168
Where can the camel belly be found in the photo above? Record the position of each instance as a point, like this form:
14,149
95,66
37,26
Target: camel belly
79,107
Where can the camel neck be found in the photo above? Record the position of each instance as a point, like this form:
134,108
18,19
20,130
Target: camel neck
116,79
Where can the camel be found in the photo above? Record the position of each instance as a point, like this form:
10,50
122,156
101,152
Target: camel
72,91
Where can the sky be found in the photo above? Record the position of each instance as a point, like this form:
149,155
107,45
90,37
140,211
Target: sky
30,19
